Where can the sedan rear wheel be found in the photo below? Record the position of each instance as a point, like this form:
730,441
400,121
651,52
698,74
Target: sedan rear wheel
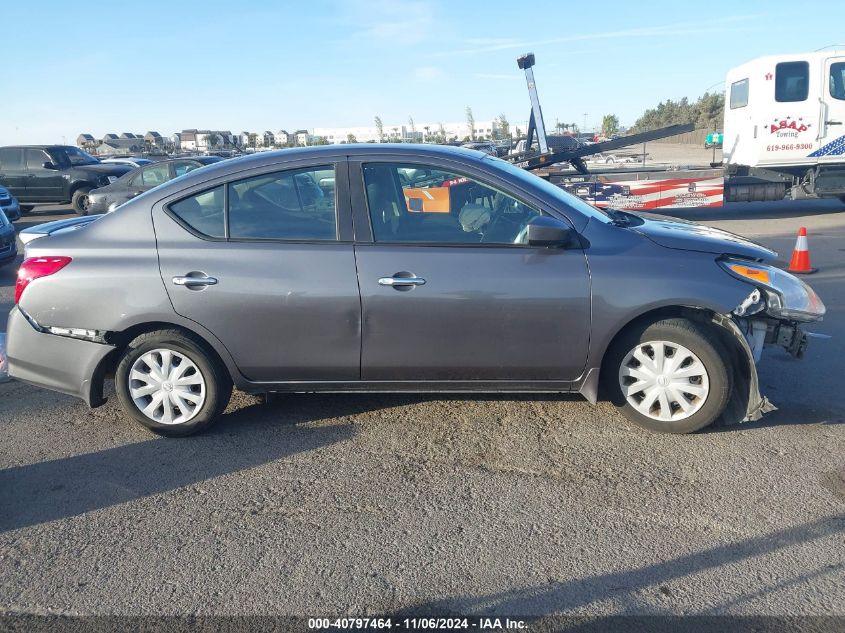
670,376
170,382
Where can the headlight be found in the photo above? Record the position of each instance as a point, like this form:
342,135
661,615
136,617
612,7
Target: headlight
787,296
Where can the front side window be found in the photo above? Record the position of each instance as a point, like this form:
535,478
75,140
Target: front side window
287,205
35,159
203,212
421,204
739,94
792,81
837,80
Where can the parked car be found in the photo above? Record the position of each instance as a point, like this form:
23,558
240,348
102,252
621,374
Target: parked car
130,161
556,143
488,147
8,244
137,181
55,174
713,139
404,268
9,205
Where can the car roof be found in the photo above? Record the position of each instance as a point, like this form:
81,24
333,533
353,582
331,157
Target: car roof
351,150
39,147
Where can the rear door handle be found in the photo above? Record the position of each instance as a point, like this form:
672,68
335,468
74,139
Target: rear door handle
194,281
833,122
401,281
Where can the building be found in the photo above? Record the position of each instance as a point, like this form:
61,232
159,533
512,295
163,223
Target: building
283,138
86,141
154,139
120,147
303,137
422,133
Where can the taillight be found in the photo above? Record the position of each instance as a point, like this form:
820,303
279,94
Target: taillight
35,267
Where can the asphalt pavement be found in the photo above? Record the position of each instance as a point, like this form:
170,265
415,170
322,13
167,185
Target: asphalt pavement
318,505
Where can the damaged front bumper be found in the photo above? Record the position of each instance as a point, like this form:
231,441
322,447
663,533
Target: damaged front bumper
752,335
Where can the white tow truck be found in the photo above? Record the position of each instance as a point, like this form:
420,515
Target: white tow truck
784,136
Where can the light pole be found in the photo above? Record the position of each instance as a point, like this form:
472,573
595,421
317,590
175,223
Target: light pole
585,122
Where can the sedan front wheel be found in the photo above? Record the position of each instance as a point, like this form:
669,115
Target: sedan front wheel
670,376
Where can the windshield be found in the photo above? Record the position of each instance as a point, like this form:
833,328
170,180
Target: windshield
73,156
573,202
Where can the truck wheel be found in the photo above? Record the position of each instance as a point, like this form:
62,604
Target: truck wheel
670,376
170,382
80,200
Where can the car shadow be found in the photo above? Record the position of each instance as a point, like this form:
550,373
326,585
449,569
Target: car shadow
253,436
627,590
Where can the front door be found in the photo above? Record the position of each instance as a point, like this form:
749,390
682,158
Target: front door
450,291
42,184
832,123
265,262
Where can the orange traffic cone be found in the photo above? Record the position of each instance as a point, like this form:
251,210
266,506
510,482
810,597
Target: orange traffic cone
800,263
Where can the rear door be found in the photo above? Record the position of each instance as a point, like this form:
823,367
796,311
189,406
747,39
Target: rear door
265,261
832,128
13,174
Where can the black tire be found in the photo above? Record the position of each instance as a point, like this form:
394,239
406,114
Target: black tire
701,340
26,208
218,384
79,202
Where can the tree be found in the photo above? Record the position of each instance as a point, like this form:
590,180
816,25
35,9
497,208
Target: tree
471,123
379,129
441,133
413,129
211,140
609,124
504,126
320,140
707,112
426,128
350,138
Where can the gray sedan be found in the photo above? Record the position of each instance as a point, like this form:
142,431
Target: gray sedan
398,268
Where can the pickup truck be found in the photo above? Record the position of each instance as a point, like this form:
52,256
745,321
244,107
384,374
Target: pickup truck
54,174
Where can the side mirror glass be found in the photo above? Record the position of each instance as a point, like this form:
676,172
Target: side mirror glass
49,165
550,232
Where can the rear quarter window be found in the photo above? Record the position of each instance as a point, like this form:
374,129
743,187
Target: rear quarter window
202,213
739,94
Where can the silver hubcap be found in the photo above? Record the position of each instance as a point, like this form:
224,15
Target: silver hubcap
166,386
664,381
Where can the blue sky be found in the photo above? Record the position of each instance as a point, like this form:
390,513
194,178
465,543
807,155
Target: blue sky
134,66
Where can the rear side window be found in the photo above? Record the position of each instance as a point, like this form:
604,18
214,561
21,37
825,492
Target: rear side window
792,81
11,158
286,205
153,176
203,212
837,80
739,94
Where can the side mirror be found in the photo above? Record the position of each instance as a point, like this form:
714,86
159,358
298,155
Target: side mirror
546,231
49,165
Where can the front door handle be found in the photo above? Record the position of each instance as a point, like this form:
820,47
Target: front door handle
833,122
398,282
189,281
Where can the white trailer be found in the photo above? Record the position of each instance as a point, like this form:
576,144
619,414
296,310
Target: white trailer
785,122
